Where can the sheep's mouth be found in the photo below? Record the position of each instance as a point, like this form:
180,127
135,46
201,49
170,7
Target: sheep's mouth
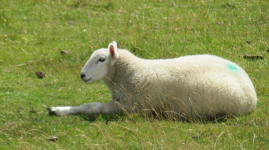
87,80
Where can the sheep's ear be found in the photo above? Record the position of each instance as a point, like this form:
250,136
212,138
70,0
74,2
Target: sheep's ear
112,47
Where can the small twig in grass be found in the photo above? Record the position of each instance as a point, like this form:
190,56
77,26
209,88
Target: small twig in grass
254,136
43,133
253,57
196,137
217,140
52,138
65,51
40,74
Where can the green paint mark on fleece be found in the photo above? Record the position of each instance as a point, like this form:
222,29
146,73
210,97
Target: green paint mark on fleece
232,67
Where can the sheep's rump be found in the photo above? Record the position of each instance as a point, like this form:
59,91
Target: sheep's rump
198,85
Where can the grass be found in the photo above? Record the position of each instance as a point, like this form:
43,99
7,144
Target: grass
33,32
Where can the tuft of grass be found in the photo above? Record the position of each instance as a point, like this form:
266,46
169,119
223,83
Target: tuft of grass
34,32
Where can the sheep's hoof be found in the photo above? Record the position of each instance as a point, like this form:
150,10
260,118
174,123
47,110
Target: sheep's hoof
51,112
59,111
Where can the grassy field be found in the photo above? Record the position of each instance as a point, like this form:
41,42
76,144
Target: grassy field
33,32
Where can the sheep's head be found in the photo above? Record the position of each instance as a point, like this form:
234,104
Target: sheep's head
100,63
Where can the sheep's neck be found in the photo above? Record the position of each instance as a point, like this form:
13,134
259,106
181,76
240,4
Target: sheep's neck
109,78
123,71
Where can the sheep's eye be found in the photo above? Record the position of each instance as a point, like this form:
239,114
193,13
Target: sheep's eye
101,60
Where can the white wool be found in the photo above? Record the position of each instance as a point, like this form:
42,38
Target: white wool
199,85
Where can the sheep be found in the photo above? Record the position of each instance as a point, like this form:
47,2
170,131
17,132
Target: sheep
188,86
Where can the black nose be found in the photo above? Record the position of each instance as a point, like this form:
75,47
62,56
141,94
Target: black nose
82,75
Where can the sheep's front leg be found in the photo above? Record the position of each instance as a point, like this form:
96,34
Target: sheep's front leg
88,109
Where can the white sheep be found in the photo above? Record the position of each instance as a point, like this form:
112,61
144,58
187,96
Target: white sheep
189,86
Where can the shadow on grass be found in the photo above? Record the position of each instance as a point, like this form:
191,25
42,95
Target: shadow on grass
104,117
153,117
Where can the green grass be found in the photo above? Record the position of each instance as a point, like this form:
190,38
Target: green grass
33,32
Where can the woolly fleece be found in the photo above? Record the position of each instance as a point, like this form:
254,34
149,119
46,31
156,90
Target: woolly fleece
198,85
